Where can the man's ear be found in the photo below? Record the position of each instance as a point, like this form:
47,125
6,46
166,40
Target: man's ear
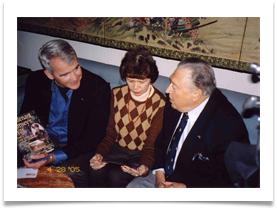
197,94
48,74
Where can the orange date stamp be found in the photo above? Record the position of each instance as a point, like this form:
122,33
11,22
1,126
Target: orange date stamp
64,169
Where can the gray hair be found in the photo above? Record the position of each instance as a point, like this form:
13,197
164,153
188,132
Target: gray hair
202,74
56,48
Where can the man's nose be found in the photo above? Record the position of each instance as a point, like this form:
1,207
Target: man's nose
73,77
168,89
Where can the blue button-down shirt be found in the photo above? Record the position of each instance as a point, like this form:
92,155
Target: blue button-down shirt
58,120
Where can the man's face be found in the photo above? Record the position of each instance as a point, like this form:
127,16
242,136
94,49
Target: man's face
66,75
181,90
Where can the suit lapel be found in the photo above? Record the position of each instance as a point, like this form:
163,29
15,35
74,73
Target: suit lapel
198,130
173,117
76,106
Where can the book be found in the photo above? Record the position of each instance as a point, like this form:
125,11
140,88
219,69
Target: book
118,160
32,138
114,162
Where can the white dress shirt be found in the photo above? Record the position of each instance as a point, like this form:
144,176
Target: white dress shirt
193,115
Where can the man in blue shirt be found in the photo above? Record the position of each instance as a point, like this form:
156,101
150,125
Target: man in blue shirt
73,104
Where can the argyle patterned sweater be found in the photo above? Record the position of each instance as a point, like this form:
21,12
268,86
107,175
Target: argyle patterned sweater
141,135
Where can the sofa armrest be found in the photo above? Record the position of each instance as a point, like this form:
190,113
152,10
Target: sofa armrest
252,123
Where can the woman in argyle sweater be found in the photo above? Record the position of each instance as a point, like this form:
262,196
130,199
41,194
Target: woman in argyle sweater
127,151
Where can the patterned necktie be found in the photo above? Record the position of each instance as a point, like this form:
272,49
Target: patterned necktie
170,156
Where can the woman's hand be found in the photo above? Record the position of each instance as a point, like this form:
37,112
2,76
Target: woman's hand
135,172
96,162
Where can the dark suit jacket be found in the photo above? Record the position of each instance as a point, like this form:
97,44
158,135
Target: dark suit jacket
218,124
88,112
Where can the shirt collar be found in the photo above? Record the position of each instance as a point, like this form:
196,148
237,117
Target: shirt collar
194,113
55,88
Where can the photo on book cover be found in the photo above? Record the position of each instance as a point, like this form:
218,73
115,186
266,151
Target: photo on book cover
32,138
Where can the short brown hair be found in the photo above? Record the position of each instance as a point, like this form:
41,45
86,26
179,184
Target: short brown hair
139,64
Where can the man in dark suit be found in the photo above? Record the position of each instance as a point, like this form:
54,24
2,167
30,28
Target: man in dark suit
72,103
210,124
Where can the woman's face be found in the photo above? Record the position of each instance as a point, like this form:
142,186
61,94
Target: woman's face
138,86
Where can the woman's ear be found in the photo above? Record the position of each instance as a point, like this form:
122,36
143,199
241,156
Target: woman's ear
48,74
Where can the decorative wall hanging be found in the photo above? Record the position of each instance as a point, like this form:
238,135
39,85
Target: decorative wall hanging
226,42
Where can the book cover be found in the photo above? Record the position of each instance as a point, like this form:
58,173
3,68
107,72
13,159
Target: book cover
32,138
119,160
